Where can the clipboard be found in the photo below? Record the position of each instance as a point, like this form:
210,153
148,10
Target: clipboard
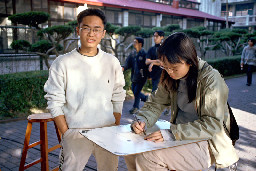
121,141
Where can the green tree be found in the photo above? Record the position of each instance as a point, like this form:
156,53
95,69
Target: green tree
117,37
31,19
202,36
51,38
229,41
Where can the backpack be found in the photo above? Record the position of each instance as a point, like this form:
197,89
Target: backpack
234,129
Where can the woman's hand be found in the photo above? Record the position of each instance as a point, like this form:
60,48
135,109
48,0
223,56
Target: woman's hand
155,137
138,127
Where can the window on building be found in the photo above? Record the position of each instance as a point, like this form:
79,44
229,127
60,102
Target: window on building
214,26
6,7
24,4
69,11
166,20
224,11
135,19
147,20
244,9
55,10
114,17
194,23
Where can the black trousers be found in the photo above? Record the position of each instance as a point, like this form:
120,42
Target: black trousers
249,71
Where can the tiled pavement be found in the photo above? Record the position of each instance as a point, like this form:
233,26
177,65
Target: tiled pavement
241,98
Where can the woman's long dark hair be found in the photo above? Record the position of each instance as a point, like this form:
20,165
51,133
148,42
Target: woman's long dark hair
175,48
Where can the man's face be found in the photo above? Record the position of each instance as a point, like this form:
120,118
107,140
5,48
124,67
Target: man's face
137,45
91,31
157,39
250,43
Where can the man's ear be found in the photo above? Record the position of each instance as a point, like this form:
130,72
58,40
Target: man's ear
104,33
77,31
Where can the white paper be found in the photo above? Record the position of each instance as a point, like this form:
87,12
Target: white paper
121,141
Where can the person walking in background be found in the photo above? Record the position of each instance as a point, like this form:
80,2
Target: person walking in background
248,59
85,91
139,72
153,63
198,97
152,60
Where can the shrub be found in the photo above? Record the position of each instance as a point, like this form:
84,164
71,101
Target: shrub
20,45
20,92
227,66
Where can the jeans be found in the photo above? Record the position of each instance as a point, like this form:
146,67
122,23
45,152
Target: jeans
249,71
155,83
136,89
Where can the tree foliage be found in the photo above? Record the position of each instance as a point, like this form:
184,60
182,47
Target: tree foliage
20,45
145,33
31,19
229,41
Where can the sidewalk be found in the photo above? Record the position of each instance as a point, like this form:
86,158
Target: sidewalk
242,99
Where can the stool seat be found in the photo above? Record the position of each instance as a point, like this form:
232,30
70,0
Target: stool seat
41,118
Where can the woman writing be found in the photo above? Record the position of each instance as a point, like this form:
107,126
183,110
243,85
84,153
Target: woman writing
198,96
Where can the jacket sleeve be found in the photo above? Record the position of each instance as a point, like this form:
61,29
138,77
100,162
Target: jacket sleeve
149,53
154,106
118,95
128,63
243,56
211,110
55,90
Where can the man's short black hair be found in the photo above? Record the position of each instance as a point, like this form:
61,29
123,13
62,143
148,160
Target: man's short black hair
92,12
140,40
160,33
252,40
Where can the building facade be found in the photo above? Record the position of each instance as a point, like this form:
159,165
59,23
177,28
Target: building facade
144,13
242,12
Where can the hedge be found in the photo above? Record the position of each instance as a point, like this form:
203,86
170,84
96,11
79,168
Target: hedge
22,91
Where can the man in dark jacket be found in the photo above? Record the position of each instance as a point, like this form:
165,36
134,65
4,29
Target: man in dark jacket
153,63
152,60
136,61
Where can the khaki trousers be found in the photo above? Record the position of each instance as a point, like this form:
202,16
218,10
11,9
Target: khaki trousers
76,150
195,156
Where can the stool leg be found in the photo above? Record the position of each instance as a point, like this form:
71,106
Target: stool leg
44,146
25,147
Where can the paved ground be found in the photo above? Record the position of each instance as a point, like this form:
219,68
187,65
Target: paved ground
241,98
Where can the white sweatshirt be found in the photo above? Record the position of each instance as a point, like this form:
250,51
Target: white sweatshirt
87,90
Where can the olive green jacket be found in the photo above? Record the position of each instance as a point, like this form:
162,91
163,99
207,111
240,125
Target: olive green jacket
212,110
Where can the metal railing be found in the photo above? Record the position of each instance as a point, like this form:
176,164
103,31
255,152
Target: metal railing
247,20
8,34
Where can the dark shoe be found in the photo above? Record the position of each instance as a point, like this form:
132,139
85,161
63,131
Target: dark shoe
248,84
133,110
145,99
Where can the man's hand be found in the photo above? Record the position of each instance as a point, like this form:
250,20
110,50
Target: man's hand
150,67
155,137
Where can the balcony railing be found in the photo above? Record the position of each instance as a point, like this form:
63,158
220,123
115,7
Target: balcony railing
247,20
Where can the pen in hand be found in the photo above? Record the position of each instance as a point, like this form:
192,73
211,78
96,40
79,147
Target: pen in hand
136,119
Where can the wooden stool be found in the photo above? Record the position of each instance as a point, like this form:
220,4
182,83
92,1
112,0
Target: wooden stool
42,118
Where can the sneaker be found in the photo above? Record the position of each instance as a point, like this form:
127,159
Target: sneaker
133,110
248,84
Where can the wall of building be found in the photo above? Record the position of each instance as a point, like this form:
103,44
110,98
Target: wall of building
212,7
